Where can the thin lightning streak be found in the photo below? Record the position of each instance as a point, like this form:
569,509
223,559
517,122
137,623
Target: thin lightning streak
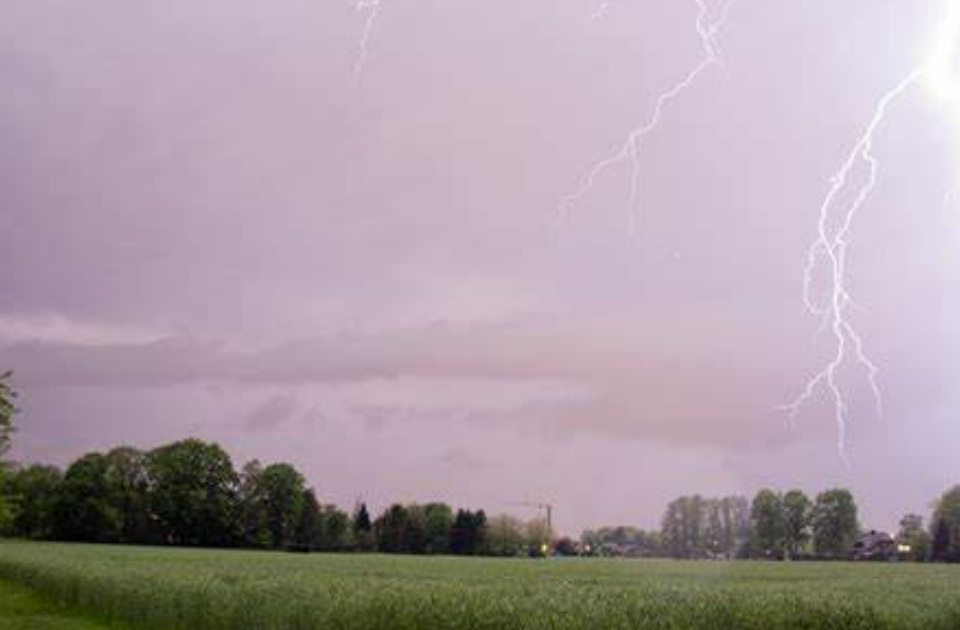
831,248
630,149
373,9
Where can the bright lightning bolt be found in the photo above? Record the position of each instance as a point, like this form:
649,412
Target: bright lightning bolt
829,252
629,151
372,9
830,249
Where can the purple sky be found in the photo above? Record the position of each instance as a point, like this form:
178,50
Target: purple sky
207,229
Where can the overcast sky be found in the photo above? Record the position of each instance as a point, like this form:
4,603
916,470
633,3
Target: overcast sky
209,228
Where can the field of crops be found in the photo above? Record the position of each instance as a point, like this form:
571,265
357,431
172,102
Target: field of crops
23,609
231,590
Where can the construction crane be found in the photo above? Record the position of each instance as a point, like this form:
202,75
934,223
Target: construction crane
547,509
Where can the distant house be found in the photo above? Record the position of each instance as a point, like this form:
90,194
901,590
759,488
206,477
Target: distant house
874,545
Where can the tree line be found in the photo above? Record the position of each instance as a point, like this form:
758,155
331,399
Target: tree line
189,493
7,409
780,526
771,526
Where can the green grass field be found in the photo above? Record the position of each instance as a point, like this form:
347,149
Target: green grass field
237,590
25,609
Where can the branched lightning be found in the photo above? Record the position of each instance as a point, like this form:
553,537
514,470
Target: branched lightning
372,9
707,28
844,200
831,249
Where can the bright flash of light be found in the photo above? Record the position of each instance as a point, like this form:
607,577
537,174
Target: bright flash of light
372,9
830,249
708,26
843,201
942,78
941,69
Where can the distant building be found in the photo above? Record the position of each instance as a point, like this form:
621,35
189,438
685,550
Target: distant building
874,545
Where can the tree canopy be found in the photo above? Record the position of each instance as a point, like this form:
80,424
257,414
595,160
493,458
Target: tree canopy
796,521
7,410
835,523
188,493
194,489
946,527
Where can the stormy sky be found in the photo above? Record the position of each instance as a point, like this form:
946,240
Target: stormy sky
208,228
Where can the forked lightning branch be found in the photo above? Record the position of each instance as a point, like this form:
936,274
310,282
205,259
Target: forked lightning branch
828,256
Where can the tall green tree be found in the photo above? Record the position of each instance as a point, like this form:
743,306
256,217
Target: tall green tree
767,525
194,493
362,528
695,522
309,532
715,531
33,492
390,528
684,527
796,520
252,506
128,495
726,523
835,523
737,510
940,541
337,529
7,411
468,533
415,530
946,527
672,530
439,522
83,510
283,494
